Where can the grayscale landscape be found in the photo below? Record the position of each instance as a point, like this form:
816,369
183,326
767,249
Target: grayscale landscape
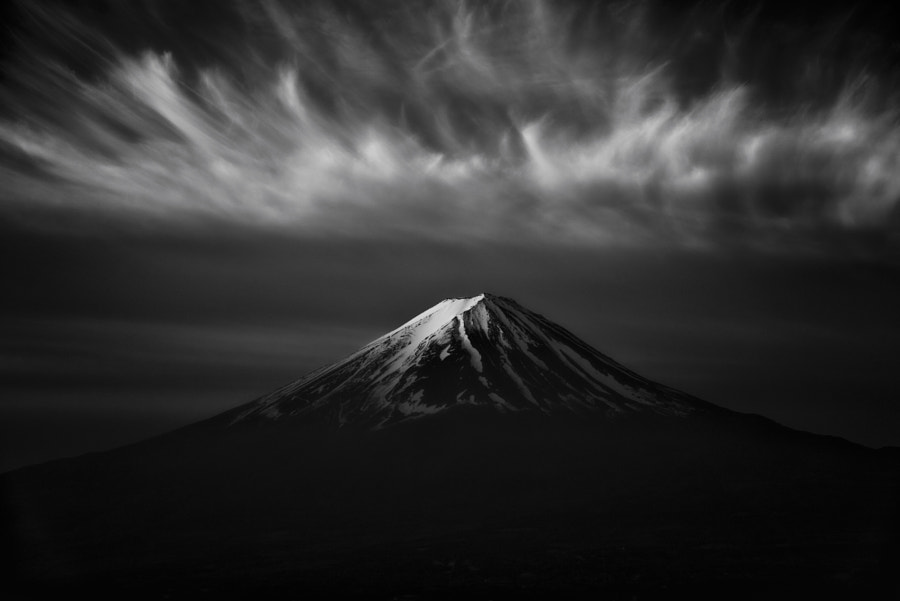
449,299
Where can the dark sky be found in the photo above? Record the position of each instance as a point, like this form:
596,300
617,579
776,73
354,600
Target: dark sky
203,201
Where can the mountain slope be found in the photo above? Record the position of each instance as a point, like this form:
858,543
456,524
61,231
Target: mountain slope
484,351
477,451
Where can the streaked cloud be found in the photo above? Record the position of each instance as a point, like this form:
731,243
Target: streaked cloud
522,121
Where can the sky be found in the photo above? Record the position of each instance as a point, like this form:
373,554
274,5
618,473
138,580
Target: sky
203,201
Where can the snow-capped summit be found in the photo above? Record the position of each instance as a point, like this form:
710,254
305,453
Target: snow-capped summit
486,351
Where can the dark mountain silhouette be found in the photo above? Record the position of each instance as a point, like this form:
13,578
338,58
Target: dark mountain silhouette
478,450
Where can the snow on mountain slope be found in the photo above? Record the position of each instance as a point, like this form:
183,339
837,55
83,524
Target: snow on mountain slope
485,351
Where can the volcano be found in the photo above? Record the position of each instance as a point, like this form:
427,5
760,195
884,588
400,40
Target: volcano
479,449
487,352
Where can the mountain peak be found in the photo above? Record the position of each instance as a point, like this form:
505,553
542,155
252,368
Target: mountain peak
433,319
484,307
483,350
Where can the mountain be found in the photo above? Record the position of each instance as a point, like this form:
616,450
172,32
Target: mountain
484,351
477,450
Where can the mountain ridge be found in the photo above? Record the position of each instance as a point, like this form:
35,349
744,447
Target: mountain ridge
485,350
339,491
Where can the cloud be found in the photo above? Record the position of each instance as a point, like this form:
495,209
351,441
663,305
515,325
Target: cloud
507,121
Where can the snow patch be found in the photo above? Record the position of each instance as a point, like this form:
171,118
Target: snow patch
585,366
520,337
500,401
414,406
465,401
473,353
515,377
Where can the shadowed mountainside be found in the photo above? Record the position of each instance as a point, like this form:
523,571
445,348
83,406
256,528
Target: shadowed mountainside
591,479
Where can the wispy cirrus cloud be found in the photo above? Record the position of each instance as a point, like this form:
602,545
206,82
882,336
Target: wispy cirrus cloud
512,121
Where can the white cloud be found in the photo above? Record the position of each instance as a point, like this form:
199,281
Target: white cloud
476,124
